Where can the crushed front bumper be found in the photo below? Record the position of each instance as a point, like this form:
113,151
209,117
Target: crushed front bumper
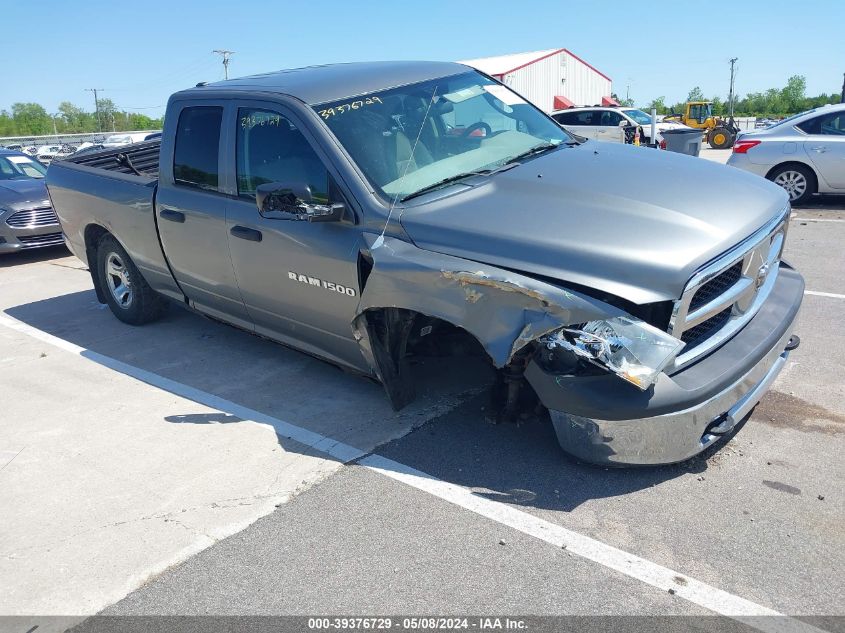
602,419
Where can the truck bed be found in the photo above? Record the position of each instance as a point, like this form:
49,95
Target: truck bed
98,192
142,156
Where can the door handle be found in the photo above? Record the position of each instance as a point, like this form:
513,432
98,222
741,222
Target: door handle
246,233
821,149
173,216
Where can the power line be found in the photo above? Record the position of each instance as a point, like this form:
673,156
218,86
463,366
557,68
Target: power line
170,78
225,54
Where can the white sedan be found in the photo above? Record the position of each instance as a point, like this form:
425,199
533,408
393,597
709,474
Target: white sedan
804,154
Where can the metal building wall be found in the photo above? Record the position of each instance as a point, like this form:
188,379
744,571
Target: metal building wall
583,85
539,82
558,74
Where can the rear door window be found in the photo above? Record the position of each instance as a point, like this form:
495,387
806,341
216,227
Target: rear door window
565,118
586,117
831,124
197,147
609,118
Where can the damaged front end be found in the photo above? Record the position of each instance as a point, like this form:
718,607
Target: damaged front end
510,315
608,377
626,346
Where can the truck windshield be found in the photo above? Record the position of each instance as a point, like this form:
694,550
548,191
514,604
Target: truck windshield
412,138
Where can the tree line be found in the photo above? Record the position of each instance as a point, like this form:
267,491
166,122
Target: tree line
772,103
31,119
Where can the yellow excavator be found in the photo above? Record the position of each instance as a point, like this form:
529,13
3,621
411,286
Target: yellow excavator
719,133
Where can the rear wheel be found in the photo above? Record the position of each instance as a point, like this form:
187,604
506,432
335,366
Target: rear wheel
798,181
127,293
720,138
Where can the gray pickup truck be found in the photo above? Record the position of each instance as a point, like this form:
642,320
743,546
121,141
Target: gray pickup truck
364,213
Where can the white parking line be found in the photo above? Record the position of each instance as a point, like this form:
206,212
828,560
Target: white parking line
697,592
816,293
333,448
817,219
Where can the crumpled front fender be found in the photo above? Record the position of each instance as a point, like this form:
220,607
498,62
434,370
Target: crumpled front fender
503,310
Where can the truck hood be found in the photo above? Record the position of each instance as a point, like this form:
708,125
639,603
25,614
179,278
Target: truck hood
17,193
633,222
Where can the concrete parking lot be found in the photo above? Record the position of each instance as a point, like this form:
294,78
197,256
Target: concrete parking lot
186,467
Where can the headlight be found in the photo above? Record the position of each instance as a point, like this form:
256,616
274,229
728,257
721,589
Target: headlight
629,347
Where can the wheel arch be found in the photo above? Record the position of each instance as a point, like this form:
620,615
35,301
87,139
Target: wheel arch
391,335
796,163
92,235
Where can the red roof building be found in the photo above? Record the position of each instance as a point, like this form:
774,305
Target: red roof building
552,79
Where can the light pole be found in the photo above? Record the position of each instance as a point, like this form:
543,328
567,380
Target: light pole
731,94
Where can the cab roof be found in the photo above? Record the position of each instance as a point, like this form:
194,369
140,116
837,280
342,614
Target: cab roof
320,84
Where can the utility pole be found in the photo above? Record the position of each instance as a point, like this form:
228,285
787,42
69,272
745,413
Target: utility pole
842,98
731,95
225,54
96,106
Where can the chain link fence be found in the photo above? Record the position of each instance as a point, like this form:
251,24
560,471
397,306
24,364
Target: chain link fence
69,142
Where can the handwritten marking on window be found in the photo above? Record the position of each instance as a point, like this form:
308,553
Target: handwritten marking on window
259,119
343,108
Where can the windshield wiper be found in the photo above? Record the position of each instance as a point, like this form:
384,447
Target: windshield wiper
537,149
445,181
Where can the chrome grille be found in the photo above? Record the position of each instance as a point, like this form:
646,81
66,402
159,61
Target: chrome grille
697,334
716,286
36,241
724,295
32,218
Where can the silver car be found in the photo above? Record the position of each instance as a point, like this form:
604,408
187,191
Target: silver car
27,219
804,154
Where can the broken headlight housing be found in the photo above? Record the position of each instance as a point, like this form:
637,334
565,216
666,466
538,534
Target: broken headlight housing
626,346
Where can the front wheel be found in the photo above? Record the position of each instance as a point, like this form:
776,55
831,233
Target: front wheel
798,181
127,293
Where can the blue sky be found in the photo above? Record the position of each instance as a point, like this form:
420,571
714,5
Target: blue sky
140,52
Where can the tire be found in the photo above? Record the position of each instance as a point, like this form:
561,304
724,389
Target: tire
127,293
798,181
720,138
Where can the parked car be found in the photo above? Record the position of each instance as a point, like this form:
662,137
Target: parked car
27,219
119,140
603,123
15,147
330,209
46,154
804,154
88,148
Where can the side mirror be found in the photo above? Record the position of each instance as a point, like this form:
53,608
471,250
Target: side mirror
294,201
623,123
